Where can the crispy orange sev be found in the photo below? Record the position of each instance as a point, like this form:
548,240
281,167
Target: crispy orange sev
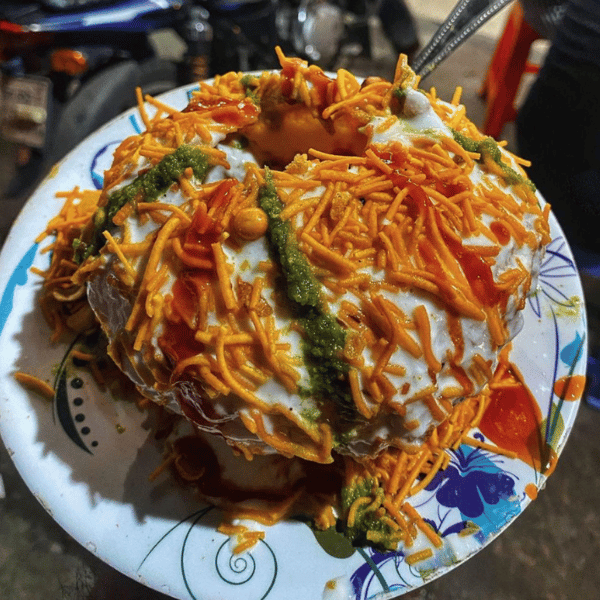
423,327
479,444
114,247
357,394
36,384
83,356
416,557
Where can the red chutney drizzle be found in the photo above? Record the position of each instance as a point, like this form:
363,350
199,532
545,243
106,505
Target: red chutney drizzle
478,274
475,268
395,159
501,232
513,421
570,387
178,341
228,111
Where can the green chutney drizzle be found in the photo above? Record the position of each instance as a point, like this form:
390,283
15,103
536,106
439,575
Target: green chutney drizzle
324,339
146,187
250,82
489,147
366,519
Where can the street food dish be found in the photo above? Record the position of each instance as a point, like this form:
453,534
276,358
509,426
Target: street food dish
409,490
306,265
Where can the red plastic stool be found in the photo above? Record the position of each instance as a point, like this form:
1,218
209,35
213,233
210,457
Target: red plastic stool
508,65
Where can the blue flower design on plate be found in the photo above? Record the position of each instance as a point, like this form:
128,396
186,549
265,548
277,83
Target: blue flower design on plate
557,267
557,264
102,160
18,278
379,571
476,485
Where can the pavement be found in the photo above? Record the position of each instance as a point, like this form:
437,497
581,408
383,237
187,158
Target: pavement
549,553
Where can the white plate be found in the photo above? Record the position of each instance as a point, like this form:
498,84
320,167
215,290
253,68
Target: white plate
93,479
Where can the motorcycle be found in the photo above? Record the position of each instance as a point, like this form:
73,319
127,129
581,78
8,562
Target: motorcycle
69,66
324,32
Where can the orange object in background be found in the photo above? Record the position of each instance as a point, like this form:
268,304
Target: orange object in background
509,64
71,62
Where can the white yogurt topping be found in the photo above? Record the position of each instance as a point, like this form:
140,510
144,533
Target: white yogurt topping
419,120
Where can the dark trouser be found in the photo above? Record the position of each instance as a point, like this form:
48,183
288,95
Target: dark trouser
558,129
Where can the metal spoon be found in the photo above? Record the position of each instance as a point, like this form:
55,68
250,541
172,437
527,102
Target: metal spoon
466,18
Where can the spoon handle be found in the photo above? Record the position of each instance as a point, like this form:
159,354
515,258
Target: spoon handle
466,18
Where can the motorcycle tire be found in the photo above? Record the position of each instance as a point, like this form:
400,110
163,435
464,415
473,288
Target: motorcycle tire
106,95
157,76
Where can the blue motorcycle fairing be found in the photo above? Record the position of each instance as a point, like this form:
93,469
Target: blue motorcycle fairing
131,16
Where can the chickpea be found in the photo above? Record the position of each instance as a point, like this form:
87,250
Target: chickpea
250,223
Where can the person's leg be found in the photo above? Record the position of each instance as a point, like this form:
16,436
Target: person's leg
558,129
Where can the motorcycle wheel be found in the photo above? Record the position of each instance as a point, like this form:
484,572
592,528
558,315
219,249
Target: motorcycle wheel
157,75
